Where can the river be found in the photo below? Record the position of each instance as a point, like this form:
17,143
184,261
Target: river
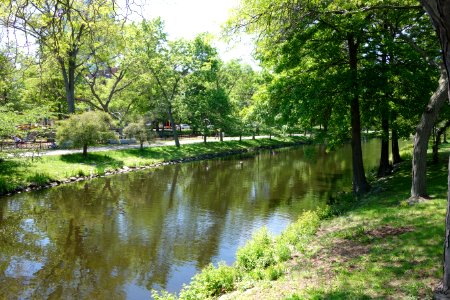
121,236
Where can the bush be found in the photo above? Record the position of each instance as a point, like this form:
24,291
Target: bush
139,132
299,231
86,129
257,253
211,282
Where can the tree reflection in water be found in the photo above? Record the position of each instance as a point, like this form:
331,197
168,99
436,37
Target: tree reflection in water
121,236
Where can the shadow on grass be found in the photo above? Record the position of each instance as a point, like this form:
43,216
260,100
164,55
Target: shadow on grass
407,264
333,295
10,173
9,166
99,161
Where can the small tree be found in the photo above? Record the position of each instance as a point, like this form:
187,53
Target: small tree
85,130
139,132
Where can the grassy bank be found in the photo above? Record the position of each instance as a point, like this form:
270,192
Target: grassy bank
377,247
19,173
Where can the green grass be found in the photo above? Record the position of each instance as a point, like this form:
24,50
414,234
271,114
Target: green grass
23,172
377,247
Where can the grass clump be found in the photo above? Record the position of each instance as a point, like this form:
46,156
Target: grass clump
39,178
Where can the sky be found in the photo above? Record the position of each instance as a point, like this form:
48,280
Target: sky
188,18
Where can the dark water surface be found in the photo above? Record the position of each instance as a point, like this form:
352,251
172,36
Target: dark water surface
119,237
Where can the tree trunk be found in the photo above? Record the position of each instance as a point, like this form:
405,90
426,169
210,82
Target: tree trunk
221,135
85,146
69,81
60,113
437,141
204,138
439,11
174,129
360,185
384,167
422,136
142,145
395,148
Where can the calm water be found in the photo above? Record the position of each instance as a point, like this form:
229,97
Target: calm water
119,237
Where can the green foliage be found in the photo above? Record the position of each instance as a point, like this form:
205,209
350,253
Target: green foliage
297,235
140,132
39,178
211,282
86,129
164,295
257,253
311,83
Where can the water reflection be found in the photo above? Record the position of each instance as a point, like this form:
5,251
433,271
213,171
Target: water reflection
121,236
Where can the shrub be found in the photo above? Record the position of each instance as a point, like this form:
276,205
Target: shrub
139,132
257,253
86,129
211,282
305,227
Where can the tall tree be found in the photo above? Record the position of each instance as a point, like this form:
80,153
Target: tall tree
168,64
277,23
62,30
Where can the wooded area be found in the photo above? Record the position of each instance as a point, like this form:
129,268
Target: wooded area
332,69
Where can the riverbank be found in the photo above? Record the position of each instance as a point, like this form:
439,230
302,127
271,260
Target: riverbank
375,247
26,174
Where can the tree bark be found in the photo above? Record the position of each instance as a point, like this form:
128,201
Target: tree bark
69,85
174,129
437,141
85,150
360,185
439,11
384,167
422,136
396,158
